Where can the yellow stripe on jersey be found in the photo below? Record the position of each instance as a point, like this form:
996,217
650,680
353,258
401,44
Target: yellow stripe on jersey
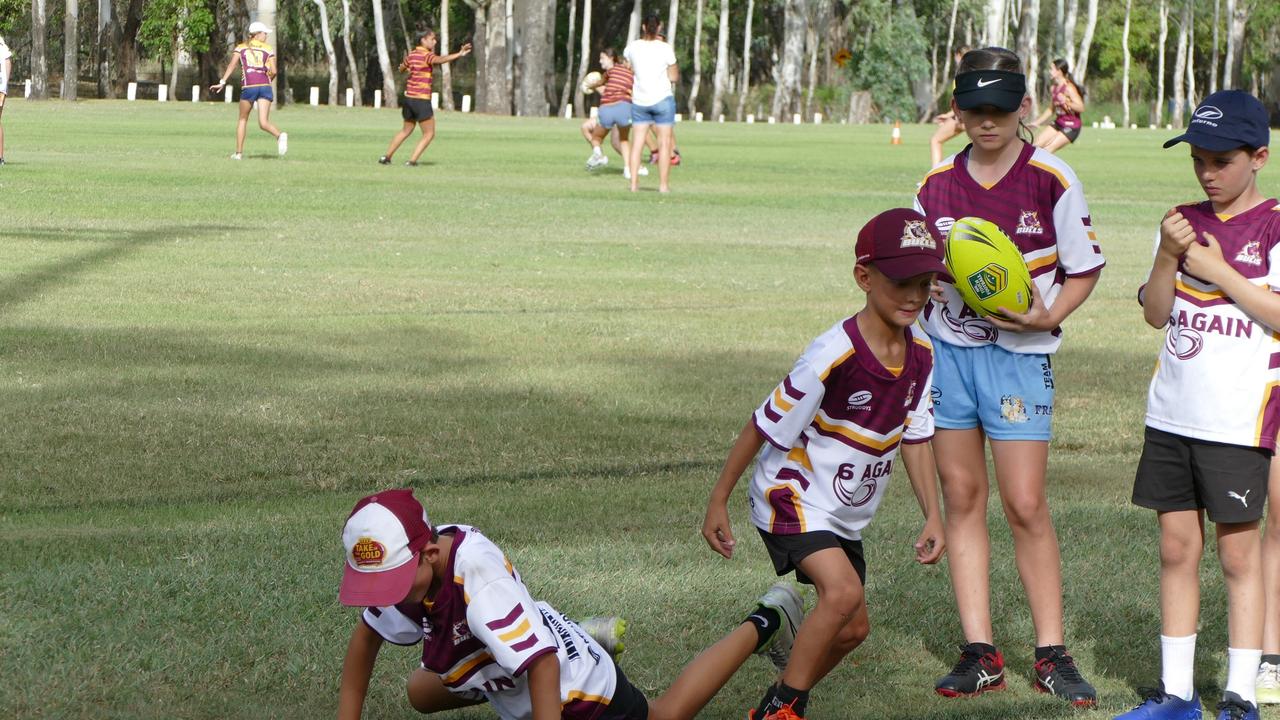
935,171
1262,411
795,504
1045,261
1052,171
583,696
1093,236
856,436
923,342
459,671
519,631
894,371
783,405
798,455
833,365
1199,294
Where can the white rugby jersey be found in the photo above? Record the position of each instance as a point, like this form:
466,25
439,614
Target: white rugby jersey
1219,368
1040,205
483,630
833,428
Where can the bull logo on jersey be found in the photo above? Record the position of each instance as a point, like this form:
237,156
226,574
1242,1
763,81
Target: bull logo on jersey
1250,254
857,491
911,394
368,552
1013,409
1182,342
1029,223
916,235
461,632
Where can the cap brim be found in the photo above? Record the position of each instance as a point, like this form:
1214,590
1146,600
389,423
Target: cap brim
902,268
1208,142
381,589
997,98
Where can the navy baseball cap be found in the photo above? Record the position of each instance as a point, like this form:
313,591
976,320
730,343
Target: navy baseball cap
1227,120
898,243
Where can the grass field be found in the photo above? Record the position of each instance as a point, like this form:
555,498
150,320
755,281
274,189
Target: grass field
204,363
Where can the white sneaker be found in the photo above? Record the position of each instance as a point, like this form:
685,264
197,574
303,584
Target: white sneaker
597,160
282,143
1268,684
236,156
782,596
607,631
644,171
626,173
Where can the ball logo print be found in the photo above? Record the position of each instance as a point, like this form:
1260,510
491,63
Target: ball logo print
1209,112
1183,343
860,400
849,490
989,281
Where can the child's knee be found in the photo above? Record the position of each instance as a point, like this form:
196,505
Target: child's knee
843,602
1027,510
1178,551
853,634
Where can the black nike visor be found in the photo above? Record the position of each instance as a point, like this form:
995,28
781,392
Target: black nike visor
997,88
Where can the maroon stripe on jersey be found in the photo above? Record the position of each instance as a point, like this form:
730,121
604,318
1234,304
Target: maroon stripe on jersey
786,521
878,452
792,474
582,710
471,673
770,413
516,612
1270,420
525,665
917,442
767,436
1091,271
1275,361
791,389
1183,295
526,643
1052,267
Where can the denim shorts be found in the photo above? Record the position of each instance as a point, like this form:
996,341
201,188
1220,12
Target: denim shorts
664,113
1009,395
614,115
256,93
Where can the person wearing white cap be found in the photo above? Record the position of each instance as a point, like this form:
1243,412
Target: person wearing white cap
6,67
257,62
485,639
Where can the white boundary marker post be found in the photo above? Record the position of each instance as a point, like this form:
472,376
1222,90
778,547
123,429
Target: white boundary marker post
163,93
568,112
195,93
697,117
773,120
721,118
594,112
377,99
679,117
466,103
228,94
351,97
751,119
435,101
132,92
26,88
796,119
817,118
315,96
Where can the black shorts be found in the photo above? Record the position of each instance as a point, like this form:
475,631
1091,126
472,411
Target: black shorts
1071,132
628,702
787,551
416,110
1182,473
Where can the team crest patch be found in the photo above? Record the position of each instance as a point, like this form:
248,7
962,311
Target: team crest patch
368,552
1013,409
1250,254
916,235
461,632
1029,223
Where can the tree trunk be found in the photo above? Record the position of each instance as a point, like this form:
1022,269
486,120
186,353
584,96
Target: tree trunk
633,26
1124,45
568,59
1179,68
1069,33
994,32
497,91
1081,69
811,39
744,87
353,70
71,50
39,63
404,28
1191,54
127,45
1214,66
446,70
696,83
1028,50
1059,21
673,15
173,72
1237,16
384,58
106,29
722,62
534,57
579,101
951,37
794,24
1163,40
329,54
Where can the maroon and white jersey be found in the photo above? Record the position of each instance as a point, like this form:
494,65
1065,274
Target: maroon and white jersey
833,428
1219,368
483,630
1040,205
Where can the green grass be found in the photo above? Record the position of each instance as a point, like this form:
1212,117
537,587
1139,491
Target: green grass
203,364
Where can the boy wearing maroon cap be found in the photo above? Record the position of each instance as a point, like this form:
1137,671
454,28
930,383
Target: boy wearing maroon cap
832,428
485,639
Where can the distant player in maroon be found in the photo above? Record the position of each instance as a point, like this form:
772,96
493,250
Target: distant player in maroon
1065,109
257,61
416,107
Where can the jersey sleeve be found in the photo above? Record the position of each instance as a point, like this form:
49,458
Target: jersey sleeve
1078,250
1273,265
920,418
788,411
394,626
503,616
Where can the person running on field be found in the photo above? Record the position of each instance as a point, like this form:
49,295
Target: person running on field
416,107
653,100
257,62
1067,105
614,113
6,69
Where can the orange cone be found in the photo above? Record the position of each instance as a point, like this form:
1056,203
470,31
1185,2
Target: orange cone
896,137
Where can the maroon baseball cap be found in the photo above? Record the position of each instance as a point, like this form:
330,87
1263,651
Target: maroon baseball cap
382,538
898,243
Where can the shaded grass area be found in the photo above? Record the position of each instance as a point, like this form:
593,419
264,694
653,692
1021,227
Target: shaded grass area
204,363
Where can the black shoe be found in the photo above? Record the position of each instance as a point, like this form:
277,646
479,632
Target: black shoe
384,160
1058,675
977,672
411,163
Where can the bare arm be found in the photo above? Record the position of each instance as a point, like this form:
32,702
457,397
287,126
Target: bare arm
226,72
1075,103
1206,261
442,59
918,457
1176,235
716,528
673,73
544,687
1048,112
357,668
1038,318
271,67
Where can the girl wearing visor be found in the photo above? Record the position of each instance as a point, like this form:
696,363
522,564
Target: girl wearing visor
993,379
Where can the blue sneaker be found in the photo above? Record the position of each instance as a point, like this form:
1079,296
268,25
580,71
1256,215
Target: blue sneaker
1234,707
1159,705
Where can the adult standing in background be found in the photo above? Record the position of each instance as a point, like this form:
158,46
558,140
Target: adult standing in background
6,69
653,100
1066,108
257,62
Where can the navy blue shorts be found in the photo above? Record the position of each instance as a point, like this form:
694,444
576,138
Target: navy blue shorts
256,93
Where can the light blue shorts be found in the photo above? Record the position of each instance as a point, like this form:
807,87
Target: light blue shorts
664,113
614,115
1009,395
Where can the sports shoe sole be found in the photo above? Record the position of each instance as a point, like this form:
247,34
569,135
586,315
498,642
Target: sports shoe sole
949,693
1084,704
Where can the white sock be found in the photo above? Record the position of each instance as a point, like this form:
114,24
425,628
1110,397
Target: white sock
1242,673
596,150
1178,663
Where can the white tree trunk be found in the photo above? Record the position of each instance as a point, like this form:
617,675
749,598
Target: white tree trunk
994,31
1059,21
1069,34
1028,50
446,70
1191,54
1158,118
795,24
267,14
673,15
1179,69
1080,70
951,38
565,96
811,40
744,87
330,56
1214,66
1237,16
39,63
633,27
353,71
722,62
71,50
696,83
106,26
1124,44
384,57
583,62
173,71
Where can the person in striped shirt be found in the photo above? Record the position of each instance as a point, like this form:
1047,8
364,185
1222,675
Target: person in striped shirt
614,115
257,61
416,107
485,639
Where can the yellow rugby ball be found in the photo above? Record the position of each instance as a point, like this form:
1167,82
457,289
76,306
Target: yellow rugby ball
987,268
590,82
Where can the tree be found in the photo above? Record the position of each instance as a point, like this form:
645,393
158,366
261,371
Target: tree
384,57
39,63
493,81
71,50
106,29
994,32
696,83
1158,116
744,87
1124,42
1081,69
353,70
1028,34
795,24
127,43
1069,34
568,58
1237,16
329,54
578,100
170,25
673,14
722,62
534,56
446,70
1180,67
633,26
1213,62
1191,54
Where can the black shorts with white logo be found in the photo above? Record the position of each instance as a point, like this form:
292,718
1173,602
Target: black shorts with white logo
1182,473
787,551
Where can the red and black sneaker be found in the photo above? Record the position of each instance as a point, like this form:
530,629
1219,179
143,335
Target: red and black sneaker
1058,675
980,669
